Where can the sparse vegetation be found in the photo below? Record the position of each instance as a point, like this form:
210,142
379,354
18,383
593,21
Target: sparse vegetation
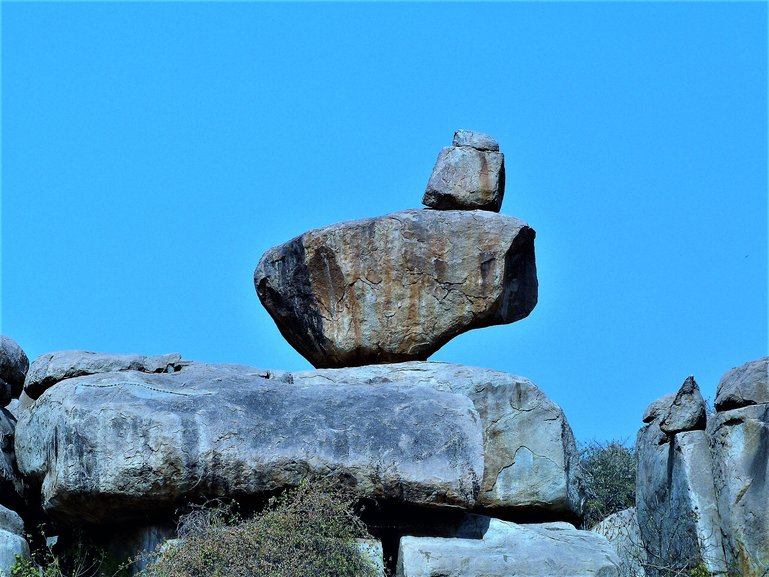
608,470
307,531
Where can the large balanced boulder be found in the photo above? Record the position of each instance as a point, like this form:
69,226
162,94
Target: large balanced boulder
398,287
530,456
468,175
13,368
488,547
687,411
50,368
112,446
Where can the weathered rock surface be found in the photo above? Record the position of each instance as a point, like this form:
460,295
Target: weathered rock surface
687,411
398,287
50,368
11,547
658,407
675,497
468,175
487,547
740,439
10,483
13,368
621,530
115,445
10,521
530,456
745,385
477,140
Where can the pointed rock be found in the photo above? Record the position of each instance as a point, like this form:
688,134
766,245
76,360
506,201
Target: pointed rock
687,412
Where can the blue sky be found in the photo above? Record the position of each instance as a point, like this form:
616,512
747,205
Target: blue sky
151,152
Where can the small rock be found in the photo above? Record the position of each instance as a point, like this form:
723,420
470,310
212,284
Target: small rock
622,531
465,178
11,547
658,407
477,140
687,412
13,368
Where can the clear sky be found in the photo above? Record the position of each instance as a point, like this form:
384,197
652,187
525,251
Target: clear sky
152,152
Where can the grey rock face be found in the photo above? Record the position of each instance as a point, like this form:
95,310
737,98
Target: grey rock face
398,287
687,412
122,444
465,178
740,439
745,385
11,546
477,140
13,368
10,521
530,456
658,408
50,368
675,497
10,483
621,530
488,547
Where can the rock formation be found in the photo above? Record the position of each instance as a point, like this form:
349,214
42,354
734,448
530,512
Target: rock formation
398,287
702,482
115,443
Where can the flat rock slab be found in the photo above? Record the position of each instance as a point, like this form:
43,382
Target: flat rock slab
488,547
113,446
50,368
530,456
398,287
745,385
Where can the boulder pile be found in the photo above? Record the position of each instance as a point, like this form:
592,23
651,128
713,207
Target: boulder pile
702,482
476,471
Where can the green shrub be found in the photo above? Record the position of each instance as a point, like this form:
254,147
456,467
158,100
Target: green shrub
309,531
608,473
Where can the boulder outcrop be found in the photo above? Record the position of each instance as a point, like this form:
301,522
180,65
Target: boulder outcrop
622,531
12,541
398,287
488,547
50,368
117,445
745,385
13,368
530,456
687,411
468,175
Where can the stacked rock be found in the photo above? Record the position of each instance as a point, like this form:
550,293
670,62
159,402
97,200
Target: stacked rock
125,440
398,287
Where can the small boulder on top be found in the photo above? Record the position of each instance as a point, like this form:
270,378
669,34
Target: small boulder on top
469,175
13,368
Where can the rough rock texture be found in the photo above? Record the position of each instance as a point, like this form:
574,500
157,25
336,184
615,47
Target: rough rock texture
50,368
477,140
687,411
675,498
10,483
465,178
621,530
13,367
11,546
740,439
745,385
372,550
115,445
487,547
10,521
658,407
530,457
398,287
